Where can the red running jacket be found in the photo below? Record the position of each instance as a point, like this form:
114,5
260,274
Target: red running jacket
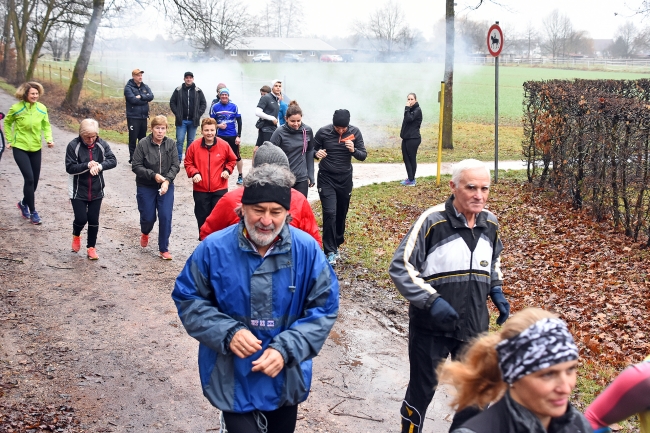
209,163
223,214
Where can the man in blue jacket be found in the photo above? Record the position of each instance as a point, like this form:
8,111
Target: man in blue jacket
261,300
137,95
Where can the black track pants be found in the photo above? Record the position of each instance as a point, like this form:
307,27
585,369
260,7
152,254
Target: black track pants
409,153
335,191
86,212
137,131
204,202
281,420
29,164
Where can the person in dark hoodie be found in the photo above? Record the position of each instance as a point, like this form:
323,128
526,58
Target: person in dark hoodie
525,373
86,158
188,105
155,164
411,139
137,95
335,145
268,110
296,140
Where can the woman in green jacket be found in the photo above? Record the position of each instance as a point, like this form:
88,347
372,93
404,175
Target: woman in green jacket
25,123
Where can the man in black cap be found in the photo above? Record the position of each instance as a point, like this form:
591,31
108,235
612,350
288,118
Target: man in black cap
335,145
188,104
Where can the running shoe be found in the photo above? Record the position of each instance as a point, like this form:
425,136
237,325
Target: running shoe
23,209
411,183
35,219
165,255
144,240
337,255
404,182
240,180
331,259
76,243
92,254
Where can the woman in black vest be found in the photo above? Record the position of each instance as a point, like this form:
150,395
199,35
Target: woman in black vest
528,370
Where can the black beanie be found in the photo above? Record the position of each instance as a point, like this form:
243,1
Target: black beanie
267,192
341,118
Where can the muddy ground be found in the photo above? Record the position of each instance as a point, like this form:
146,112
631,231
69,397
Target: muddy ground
97,346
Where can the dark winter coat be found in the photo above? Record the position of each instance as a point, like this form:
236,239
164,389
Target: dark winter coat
441,256
298,145
411,123
186,99
81,184
150,159
270,105
137,108
508,416
339,158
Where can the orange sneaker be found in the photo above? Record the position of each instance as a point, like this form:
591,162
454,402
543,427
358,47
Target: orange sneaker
92,254
76,243
144,240
165,255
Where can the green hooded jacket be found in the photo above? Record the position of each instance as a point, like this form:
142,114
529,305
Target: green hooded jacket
24,125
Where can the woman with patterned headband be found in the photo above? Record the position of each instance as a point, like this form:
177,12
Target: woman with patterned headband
528,369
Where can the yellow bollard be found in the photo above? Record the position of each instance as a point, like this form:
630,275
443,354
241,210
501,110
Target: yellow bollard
442,107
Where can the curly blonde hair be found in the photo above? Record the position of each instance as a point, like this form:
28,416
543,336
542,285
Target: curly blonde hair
23,90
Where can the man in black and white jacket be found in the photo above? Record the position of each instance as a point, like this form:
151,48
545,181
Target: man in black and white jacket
447,266
188,105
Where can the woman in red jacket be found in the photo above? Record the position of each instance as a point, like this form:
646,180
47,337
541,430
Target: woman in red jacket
208,161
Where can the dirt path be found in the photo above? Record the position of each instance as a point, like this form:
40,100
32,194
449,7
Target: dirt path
98,346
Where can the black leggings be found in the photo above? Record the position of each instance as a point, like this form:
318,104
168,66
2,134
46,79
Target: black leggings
281,420
409,153
302,187
86,212
29,164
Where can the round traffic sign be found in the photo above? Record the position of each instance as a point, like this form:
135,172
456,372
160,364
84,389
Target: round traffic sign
495,40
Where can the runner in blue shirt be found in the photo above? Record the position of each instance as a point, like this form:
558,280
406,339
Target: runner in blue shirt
226,114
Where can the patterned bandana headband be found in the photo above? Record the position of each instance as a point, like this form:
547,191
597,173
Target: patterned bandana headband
545,343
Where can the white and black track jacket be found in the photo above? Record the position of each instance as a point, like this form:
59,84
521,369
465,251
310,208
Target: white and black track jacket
441,256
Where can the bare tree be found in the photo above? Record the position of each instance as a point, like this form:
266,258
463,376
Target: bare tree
531,37
472,33
210,24
554,26
448,107
629,40
387,28
7,36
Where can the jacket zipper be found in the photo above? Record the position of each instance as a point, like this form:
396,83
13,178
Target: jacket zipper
160,157
90,176
209,173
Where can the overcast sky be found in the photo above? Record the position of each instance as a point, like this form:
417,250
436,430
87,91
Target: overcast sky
337,17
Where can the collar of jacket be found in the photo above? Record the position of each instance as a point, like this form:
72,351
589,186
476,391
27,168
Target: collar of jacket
525,420
205,146
414,106
87,146
281,247
457,223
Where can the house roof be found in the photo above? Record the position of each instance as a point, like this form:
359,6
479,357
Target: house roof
281,44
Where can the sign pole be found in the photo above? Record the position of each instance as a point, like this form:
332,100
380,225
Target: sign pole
496,119
495,45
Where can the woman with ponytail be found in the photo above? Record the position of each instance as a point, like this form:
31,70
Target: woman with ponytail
296,141
529,369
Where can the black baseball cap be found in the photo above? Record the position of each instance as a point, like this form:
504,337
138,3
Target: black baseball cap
188,74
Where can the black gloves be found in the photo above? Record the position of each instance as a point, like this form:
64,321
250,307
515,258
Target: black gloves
442,312
496,294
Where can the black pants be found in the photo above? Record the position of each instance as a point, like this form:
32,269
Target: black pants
409,154
86,212
302,187
137,131
204,202
29,164
262,137
335,191
281,420
426,352
230,139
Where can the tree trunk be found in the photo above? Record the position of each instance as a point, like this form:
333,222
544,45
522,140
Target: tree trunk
19,25
6,39
81,66
448,111
71,32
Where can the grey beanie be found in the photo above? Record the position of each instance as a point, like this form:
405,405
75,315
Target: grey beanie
269,153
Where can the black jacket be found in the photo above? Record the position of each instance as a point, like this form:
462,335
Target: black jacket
292,142
270,105
150,159
411,123
81,184
183,99
137,108
441,256
339,158
508,416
